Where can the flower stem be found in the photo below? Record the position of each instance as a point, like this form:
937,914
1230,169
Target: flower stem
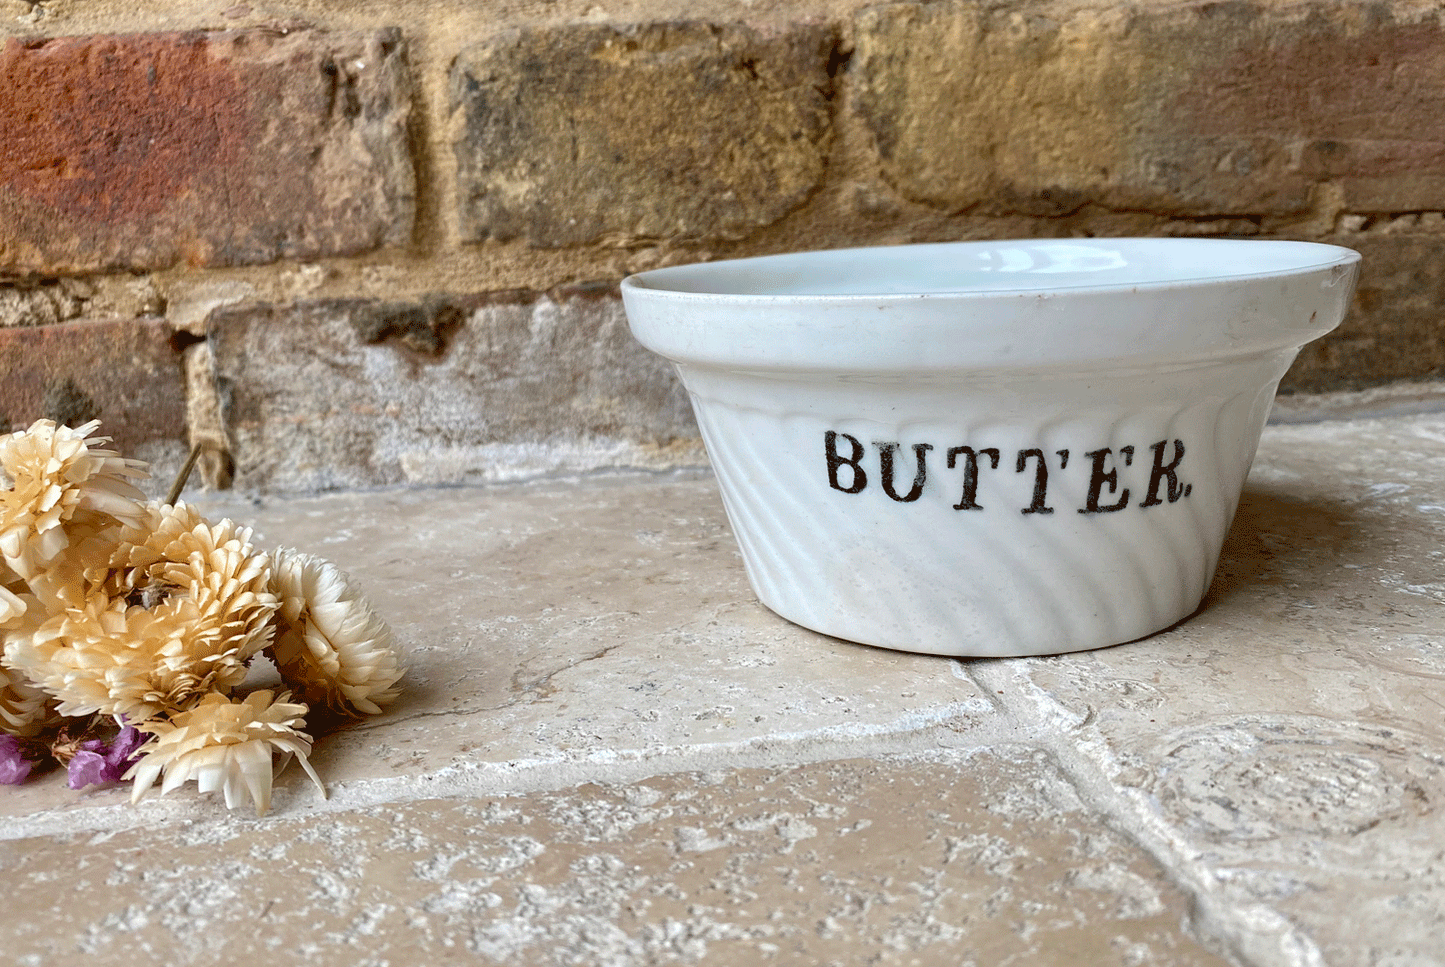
183,476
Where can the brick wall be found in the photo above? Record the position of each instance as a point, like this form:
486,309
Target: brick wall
355,243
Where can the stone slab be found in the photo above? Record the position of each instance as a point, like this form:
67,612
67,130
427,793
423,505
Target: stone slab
1286,743
1280,755
562,632
948,858
329,394
1393,399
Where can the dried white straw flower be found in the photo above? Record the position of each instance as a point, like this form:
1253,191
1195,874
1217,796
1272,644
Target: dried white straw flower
150,614
226,746
330,646
13,608
57,483
179,609
25,710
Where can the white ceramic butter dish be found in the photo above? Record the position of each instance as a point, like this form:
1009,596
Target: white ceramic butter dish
988,448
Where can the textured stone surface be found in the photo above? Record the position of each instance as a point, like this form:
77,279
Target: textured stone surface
224,148
1375,402
952,858
1286,742
555,630
546,624
1201,110
124,372
1395,328
1280,755
348,393
585,133
56,300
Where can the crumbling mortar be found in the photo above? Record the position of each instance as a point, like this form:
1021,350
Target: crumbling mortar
1424,222
42,302
205,408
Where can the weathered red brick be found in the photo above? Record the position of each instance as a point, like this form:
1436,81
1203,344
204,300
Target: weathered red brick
124,372
1227,108
227,148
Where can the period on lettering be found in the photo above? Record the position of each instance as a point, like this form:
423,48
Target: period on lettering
1118,477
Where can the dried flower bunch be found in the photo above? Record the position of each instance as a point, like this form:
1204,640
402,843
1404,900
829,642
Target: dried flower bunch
129,626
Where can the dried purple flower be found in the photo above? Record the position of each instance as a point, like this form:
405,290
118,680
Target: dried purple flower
99,762
15,766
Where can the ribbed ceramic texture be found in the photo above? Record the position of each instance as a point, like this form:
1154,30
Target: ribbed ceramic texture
997,580
928,447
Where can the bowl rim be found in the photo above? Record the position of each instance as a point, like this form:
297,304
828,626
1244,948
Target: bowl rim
644,284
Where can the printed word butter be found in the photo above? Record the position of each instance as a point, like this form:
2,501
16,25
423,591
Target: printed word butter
1116,481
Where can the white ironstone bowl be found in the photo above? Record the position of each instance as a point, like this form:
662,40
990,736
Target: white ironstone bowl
988,448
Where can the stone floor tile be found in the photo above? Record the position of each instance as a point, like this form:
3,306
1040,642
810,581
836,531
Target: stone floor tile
1287,740
1281,753
946,858
560,632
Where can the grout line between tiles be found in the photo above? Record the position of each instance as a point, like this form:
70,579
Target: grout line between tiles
955,726
1252,934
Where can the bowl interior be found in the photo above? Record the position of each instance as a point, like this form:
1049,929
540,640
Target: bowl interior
961,267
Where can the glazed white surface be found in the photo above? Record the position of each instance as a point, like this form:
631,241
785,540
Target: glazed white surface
962,268
1173,301
972,469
